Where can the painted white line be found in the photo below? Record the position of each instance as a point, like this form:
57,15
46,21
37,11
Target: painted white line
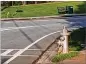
8,22
20,55
4,29
8,49
21,51
6,52
11,28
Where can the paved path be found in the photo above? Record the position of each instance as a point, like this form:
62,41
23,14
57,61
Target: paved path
17,34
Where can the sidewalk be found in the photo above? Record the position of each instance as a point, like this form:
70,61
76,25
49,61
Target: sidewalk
81,59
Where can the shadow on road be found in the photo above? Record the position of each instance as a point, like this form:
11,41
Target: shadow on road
3,60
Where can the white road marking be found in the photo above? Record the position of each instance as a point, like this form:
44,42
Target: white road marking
21,55
8,22
6,52
11,28
4,29
21,51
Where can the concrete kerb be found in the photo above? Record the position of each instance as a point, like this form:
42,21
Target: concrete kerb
30,18
70,15
63,16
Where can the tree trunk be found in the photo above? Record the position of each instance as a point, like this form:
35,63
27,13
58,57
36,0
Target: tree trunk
12,3
24,2
35,2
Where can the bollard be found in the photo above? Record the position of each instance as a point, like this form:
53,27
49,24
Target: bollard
65,34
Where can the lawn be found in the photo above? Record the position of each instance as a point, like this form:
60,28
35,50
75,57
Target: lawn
45,9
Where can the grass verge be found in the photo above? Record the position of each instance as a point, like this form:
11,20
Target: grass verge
61,57
46,9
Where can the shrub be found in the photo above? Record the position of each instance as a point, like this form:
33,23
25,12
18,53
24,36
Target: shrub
75,48
19,10
77,37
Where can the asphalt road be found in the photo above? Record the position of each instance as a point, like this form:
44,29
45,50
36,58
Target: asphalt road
17,34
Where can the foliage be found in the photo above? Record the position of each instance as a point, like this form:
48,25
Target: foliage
77,37
81,8
19,10
2,8
75,48
17,3
61,57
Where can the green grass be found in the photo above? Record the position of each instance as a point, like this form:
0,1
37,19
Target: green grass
61,57
75,48
34,10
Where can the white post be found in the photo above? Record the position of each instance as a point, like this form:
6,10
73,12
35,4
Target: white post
65,41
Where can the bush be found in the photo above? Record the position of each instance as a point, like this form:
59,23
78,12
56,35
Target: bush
3,7
77,37
17,3
75,48
61,57
19,10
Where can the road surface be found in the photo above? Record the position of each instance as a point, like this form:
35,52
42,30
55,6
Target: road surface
18,34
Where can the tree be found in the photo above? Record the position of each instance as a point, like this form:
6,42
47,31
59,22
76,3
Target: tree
24,2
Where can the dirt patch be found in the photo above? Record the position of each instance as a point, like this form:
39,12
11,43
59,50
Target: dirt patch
80,59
